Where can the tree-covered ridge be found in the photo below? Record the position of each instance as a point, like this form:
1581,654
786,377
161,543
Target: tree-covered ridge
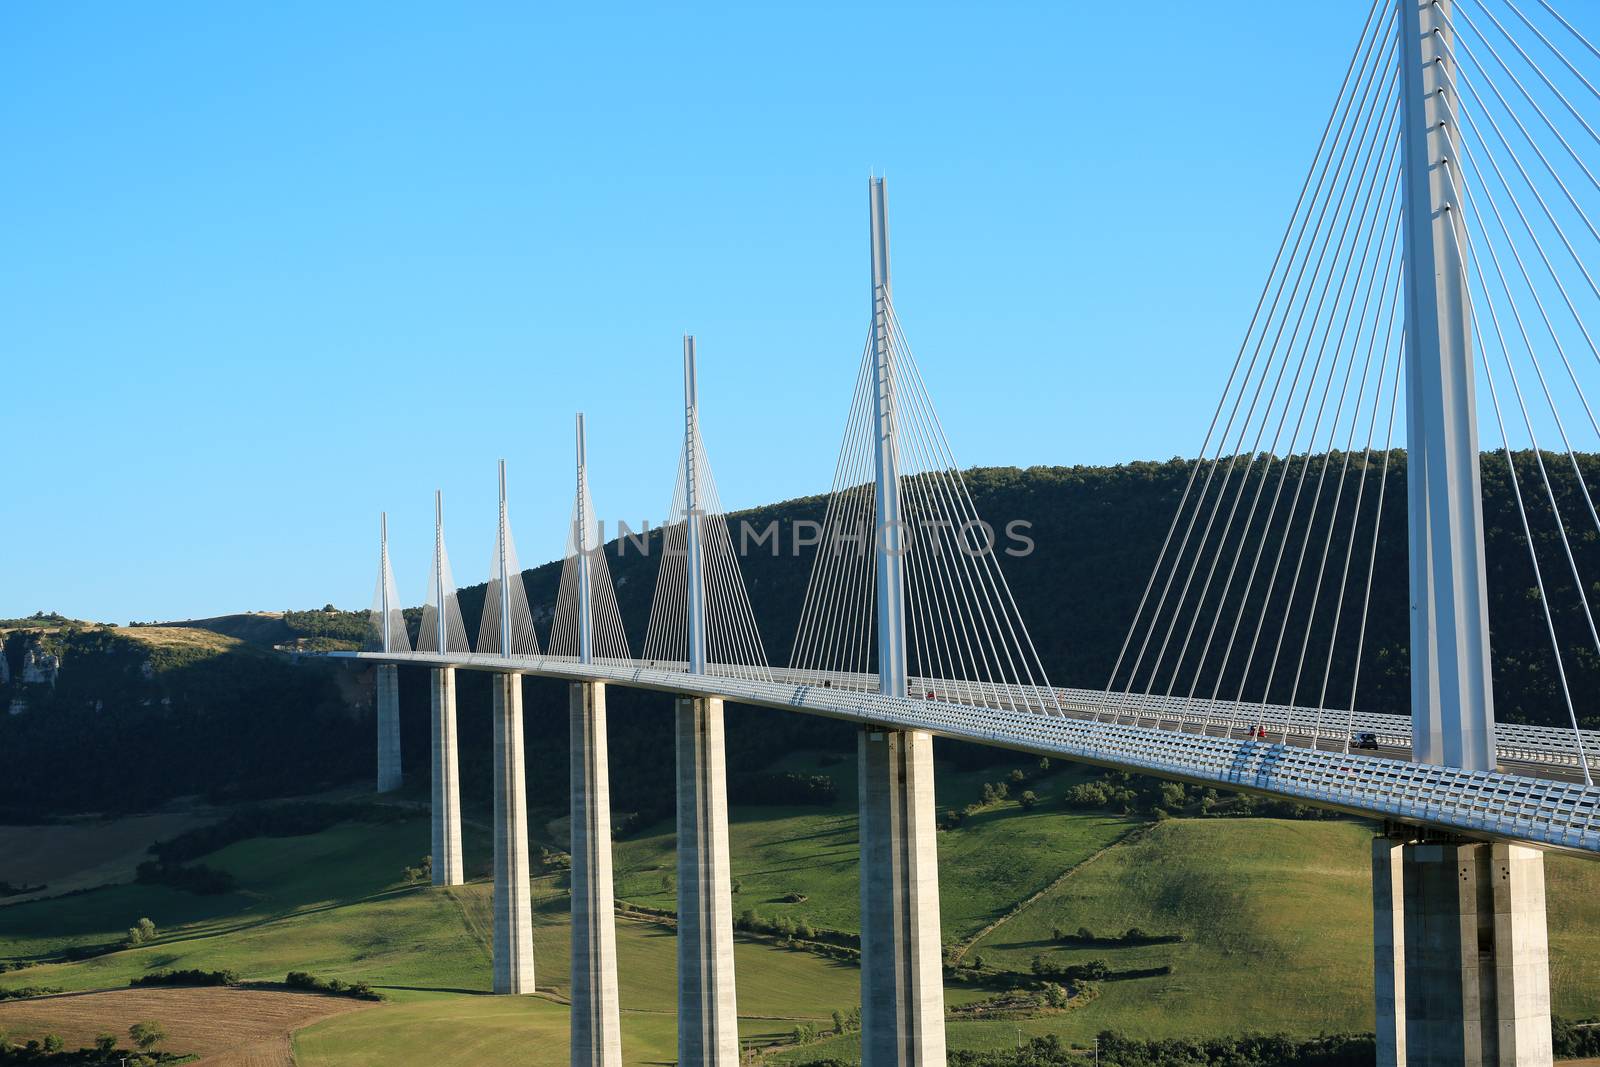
138,715
1097,534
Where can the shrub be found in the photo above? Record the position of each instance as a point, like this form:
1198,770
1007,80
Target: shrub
28,991
186,978
53,1044
783,788
1087,795
312,984
147,1034
1029,799
140,932
195,878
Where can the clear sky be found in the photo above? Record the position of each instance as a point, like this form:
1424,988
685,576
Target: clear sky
269,269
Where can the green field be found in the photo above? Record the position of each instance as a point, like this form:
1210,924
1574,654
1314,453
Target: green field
1274,916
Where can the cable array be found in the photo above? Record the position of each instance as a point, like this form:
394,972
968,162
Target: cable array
1241,604
441,588
523,640
386,619
608,639
733,640
964,635
1523,163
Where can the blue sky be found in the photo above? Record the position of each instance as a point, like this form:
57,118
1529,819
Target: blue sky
268,269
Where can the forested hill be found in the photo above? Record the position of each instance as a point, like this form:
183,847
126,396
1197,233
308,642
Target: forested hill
1098,531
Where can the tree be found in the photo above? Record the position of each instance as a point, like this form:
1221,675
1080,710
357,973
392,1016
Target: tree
1030,799
53,1044
141,931
147,1034
1018,777
105,1045
1044,764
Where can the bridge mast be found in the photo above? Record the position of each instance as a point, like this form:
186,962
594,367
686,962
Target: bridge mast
438,571
889,535
383,577
1461,967
902,995
1452,703
581,518
691,509
502,566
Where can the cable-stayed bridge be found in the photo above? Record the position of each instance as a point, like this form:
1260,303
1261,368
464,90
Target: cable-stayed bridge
1433,281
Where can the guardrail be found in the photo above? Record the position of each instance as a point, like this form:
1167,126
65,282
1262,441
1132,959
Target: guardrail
1538,811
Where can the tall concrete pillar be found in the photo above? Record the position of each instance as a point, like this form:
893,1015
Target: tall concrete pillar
902,990
1389,949
513,894
596,1019
708,1023
446,783
1469,980
388,728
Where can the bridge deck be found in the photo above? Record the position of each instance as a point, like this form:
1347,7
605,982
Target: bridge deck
1543,811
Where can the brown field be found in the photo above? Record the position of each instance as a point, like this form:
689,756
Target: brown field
54,856
225,1027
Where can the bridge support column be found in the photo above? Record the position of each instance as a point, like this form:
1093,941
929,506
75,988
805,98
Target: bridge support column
513,894
708,1024
596,1019
446,782
388,684
902,989
1462,960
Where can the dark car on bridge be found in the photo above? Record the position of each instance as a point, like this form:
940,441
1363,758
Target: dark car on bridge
1365,740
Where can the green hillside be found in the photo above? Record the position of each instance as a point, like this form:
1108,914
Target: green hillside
1252,925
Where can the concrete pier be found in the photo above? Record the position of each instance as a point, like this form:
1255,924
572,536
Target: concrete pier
513,895
446,781
1462,960
902,988
388,684
708,1024
596,1021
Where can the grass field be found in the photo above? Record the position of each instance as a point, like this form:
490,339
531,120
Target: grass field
56,860
1275,919
1001,854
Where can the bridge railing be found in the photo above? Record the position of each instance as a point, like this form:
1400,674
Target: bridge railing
1542,811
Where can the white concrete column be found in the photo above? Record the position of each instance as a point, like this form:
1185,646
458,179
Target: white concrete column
446,783
513,895
1475,984
1388,950
708,1022
1521,954
388,684
596,1019
902,990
